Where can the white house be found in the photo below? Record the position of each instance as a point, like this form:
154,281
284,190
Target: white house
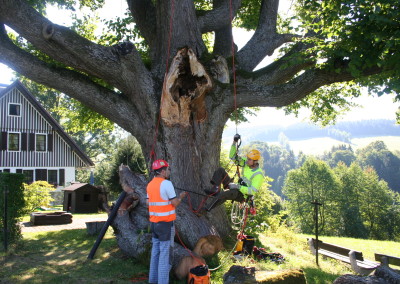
33,143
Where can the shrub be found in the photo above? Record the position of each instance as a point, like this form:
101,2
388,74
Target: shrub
11,187
37,194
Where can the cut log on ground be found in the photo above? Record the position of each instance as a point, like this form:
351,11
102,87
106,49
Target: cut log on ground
240,274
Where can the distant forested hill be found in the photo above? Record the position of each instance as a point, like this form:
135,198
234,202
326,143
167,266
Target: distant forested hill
342,131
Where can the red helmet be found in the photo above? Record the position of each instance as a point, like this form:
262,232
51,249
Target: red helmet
158,164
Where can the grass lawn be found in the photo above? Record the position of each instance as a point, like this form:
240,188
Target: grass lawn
61,257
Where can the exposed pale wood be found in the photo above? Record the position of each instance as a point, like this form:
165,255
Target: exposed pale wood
184,90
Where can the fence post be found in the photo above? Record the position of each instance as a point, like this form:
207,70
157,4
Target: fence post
316,204
5,191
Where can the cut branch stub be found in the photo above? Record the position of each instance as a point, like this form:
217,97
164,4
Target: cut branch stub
184,90
48,31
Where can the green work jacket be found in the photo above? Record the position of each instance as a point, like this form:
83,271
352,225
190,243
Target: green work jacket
254,178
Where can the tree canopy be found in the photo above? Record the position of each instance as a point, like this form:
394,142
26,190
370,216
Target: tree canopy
327,49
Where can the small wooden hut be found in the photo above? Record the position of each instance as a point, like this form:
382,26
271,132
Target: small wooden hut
81,198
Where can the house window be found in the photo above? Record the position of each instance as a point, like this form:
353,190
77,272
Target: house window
40,142
14,109
86,197
28,176
13,142
52,176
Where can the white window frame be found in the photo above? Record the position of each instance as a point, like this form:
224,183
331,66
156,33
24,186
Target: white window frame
19,141
20,107
45,142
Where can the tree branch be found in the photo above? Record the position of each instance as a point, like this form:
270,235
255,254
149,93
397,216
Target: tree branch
113,64
144,13
75,85
285,68
251,93
265,39
218,17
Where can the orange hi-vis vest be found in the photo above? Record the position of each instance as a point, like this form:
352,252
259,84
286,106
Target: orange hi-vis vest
160,210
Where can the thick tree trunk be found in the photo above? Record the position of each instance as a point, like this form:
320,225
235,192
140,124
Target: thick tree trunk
193,153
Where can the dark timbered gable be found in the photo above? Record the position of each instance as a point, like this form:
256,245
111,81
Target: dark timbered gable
32,141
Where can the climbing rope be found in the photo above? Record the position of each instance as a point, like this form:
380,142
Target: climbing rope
233,64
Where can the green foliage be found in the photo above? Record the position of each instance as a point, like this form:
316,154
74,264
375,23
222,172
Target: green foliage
12,189
349,196
127,152
313,181
37,194
341,153
241,114
40,5
385,163
377,206
248,14
327,103
355,202
352,36
362,33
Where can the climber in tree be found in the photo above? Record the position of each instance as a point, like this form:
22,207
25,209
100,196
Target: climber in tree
251,177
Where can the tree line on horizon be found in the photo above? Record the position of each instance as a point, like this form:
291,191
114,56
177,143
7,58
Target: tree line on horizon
342,131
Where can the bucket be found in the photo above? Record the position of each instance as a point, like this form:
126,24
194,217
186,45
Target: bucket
248,244
239,246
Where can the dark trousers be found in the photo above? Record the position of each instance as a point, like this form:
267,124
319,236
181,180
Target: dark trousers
219,177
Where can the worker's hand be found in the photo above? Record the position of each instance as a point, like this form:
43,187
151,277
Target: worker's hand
233,186
236,138
182,195
242,182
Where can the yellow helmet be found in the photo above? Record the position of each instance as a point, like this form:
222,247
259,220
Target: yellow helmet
254,155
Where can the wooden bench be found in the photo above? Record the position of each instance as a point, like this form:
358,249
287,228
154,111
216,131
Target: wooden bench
387,259
354,258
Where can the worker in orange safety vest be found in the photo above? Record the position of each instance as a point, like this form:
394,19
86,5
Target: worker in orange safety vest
162,201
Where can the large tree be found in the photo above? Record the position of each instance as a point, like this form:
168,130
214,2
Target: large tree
177,73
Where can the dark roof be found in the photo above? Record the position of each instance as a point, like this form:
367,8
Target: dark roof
74,147
75,186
